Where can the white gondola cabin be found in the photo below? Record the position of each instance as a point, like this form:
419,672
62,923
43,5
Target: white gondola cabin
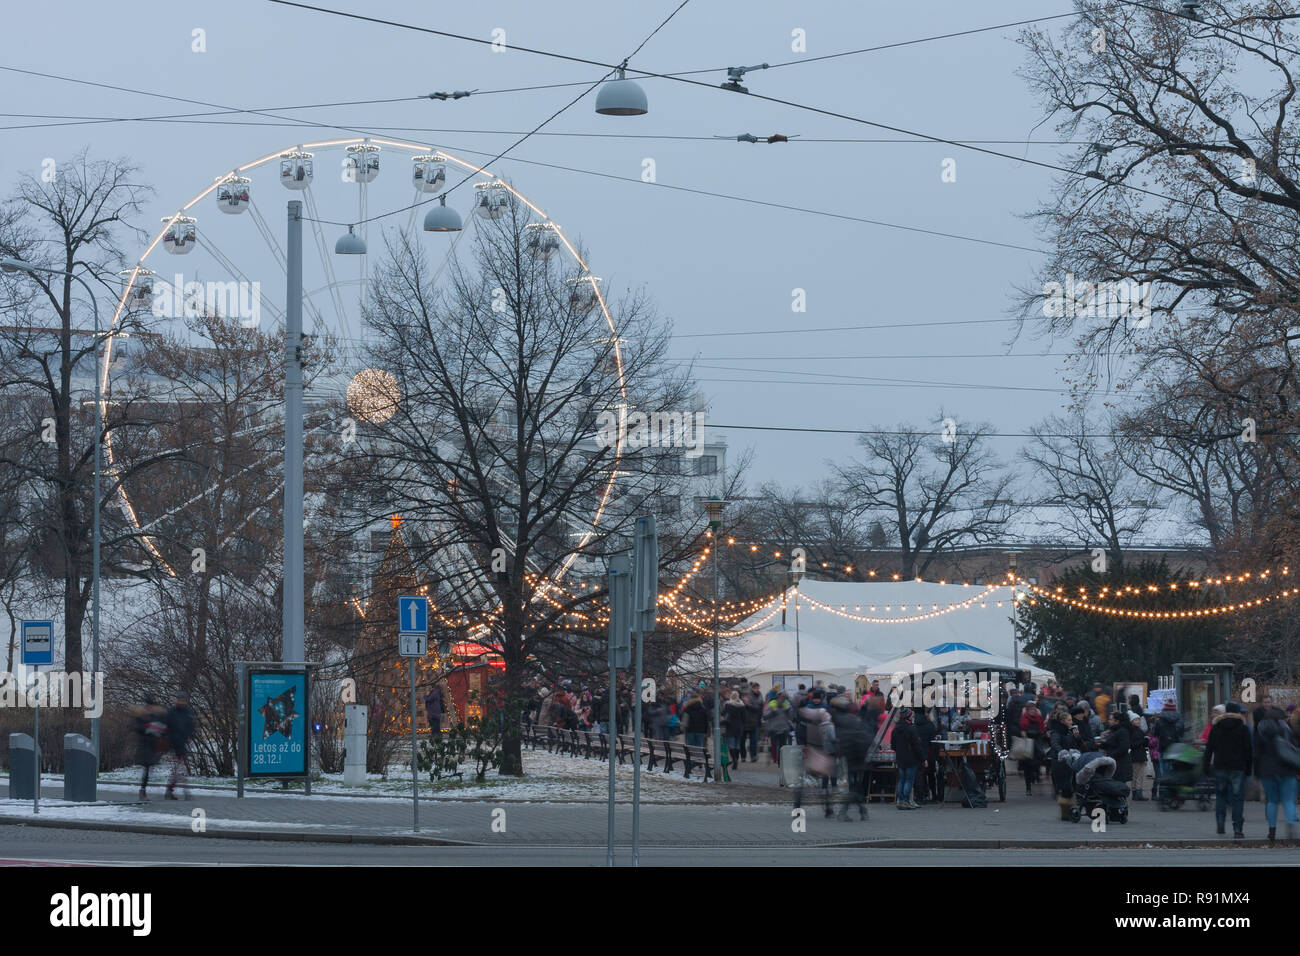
181,235
362,164
543,240
139,294
582,293
429,173
295,169
492,200
232,194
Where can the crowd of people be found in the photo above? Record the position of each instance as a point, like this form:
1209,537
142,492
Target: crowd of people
835,729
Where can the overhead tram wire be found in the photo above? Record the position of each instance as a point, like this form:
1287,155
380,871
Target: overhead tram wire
482,170
769,99
700,192
888,432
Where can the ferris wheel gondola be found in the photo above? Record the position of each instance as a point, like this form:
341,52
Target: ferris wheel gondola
233,194
295,170
181,235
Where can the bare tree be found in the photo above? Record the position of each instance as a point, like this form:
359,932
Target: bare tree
1103,500
933,491
47,354
485,427
1186,192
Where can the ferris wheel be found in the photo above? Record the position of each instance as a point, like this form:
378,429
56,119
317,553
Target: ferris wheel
337,180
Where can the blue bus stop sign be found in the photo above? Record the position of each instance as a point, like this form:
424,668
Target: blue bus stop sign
38,642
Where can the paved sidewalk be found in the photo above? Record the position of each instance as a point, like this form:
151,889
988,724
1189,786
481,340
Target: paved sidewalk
1019,821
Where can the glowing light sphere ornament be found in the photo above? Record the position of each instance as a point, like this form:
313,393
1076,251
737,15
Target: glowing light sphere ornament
373,395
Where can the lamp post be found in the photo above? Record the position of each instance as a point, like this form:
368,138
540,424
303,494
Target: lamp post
16,265
1015,609
795,577
713,507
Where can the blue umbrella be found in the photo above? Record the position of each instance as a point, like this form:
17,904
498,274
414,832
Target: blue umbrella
953,646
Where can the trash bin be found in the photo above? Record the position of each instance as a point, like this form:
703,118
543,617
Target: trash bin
80,769
791,765
22,771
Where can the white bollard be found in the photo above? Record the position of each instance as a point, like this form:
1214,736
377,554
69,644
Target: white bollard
354,745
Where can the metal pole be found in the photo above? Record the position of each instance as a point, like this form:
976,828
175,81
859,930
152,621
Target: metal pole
415,784
1015,615
717,693
636,754
798,661
94,619
36,750
292,647
241,754
610,726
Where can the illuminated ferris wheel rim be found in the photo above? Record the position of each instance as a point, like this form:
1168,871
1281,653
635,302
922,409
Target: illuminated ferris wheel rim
419,149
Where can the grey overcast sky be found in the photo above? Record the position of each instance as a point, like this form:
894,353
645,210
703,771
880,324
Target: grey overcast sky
723,271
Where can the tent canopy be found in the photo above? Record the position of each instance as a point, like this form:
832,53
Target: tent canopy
826,639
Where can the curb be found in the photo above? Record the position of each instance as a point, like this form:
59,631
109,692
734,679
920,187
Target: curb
283,836
379,839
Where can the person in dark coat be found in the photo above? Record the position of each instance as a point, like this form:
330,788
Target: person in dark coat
910,754
927,731
754,705
180,728
149,724
1116,742
851,741
734,712
1086,740
1228,755
1276,778
1169,730
433,709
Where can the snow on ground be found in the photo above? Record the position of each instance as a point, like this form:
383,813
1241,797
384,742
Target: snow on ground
547,777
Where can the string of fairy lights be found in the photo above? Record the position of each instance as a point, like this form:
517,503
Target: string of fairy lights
1059,596
701,616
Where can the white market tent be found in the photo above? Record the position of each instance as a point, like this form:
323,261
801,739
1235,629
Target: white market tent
849,628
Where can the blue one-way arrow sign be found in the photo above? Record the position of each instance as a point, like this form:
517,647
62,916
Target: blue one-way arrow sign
412,615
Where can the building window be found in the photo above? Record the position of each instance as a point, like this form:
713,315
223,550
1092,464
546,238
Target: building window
706,465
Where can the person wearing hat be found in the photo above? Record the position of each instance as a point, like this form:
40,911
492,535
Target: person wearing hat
1228,755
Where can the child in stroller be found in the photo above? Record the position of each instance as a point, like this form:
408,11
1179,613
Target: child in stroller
1095,786
1183,779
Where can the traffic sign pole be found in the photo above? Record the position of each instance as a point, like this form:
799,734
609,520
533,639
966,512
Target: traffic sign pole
415,781
413,642
36,751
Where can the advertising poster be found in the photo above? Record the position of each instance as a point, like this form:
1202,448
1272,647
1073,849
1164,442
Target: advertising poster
277,724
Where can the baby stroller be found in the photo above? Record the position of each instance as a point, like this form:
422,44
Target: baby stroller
1184,780
1095,786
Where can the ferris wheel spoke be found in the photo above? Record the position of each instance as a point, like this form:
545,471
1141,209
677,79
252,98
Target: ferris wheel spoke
226,263
327,265
268,236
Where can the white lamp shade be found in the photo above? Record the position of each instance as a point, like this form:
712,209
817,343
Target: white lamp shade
442,218
621,98
350,244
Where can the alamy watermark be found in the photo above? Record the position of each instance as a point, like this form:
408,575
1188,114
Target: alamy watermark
189,300
1109,299
654,430
76,689
976,690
